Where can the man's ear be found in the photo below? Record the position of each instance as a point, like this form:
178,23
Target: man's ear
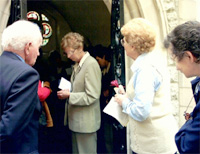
26,48
191,57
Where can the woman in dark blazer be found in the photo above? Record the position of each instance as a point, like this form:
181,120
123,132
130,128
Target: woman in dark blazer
184,46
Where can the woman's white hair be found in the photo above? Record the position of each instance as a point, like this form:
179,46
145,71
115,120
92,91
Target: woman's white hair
18,34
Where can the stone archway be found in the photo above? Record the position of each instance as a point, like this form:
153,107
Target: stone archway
163,14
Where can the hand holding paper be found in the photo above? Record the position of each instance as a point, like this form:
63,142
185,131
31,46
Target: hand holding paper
121,90
115,110
64,84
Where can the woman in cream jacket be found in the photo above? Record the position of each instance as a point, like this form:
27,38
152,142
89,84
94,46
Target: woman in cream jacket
147,96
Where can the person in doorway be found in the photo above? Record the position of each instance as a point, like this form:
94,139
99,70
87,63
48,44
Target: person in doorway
43,93
45,120
58,67
147,97
183,43
105,133
59,138
20,105
82,107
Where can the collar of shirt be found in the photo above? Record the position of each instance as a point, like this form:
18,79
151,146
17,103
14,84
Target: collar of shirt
81,61
106,69
19,57
138,62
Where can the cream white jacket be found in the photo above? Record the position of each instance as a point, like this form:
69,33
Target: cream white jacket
155,135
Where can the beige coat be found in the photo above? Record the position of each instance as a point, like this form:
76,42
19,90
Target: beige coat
83,104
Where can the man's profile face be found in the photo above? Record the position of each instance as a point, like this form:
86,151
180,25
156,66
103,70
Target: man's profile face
33,53
101,61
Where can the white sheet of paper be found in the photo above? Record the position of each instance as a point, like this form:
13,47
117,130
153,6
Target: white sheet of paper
116,89
115,110
64,84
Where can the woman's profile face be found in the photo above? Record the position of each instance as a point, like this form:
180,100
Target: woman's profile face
130,50
187,65
126,46
182,66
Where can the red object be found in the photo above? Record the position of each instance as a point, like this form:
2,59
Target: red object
43,92
114,83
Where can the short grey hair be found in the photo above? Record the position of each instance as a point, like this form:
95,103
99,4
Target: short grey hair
184,37
73,40
18,34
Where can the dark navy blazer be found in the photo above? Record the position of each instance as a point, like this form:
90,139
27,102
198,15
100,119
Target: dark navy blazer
188,137
20,105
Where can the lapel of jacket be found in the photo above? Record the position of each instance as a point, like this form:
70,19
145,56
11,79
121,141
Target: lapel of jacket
75,72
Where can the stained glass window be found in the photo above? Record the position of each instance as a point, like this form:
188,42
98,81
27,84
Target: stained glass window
42,21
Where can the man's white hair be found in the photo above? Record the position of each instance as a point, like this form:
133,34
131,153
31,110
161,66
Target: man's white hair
18,34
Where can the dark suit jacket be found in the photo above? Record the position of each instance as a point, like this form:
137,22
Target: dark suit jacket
20,105
188,137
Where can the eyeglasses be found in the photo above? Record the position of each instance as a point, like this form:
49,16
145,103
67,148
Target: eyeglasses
122,41
71,52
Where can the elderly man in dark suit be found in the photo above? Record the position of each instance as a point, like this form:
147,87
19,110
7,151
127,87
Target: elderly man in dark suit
20,105
83,103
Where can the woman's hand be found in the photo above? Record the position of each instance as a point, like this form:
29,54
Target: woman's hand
119,98
187,116
121,90
63,94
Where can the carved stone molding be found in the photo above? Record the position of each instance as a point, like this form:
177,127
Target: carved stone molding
174,74
168,13
171,13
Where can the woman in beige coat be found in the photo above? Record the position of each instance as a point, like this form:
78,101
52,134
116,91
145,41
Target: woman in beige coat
147,96
83,106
